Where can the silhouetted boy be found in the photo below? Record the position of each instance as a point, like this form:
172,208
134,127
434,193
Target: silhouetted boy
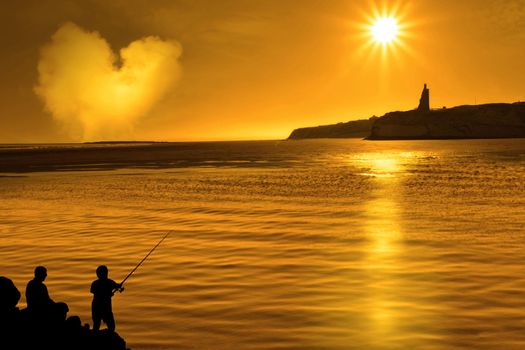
103,289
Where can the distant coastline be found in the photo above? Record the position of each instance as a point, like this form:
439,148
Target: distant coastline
120,142
487,121
352,129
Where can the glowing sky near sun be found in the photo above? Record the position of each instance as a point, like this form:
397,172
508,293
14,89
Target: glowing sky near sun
256,69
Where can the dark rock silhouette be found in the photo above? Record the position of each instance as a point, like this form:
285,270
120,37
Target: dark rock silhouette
496,120
356,128
9,295
21,329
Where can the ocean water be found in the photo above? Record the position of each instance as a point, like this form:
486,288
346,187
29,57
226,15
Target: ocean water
320,244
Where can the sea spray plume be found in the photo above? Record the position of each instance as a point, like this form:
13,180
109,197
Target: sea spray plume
86,91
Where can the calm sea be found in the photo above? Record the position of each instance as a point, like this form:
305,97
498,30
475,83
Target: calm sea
325,244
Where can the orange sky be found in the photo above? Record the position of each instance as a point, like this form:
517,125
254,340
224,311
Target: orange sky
256,69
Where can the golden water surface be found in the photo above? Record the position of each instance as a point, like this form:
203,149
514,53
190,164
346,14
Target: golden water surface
328,244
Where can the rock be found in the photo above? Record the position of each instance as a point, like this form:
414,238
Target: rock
20,329
499,120
9,295
356,128
496,120
106,340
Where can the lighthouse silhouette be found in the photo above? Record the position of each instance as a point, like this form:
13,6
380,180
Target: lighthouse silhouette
424,100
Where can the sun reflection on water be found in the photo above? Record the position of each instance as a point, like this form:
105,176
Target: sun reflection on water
383,230
384,165
389,310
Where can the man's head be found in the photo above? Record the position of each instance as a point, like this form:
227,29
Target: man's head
102,272
40,273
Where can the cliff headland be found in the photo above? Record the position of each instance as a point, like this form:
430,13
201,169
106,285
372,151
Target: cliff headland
356,128
496,120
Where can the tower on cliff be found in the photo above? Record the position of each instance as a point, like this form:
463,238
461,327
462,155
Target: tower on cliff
424,101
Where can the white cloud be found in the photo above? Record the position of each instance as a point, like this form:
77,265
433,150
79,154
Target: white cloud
94,97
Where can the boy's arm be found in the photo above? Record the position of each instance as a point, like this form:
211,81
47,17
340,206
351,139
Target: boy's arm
116,286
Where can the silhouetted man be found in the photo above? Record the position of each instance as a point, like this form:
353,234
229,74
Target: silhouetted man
38,301
37,296
103,289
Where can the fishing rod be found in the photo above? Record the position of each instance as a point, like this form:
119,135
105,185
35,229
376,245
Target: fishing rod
120,289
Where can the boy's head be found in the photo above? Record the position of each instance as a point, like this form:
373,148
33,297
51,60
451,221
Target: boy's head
102,272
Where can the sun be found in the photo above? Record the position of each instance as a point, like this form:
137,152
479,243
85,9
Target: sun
386,34
384,30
